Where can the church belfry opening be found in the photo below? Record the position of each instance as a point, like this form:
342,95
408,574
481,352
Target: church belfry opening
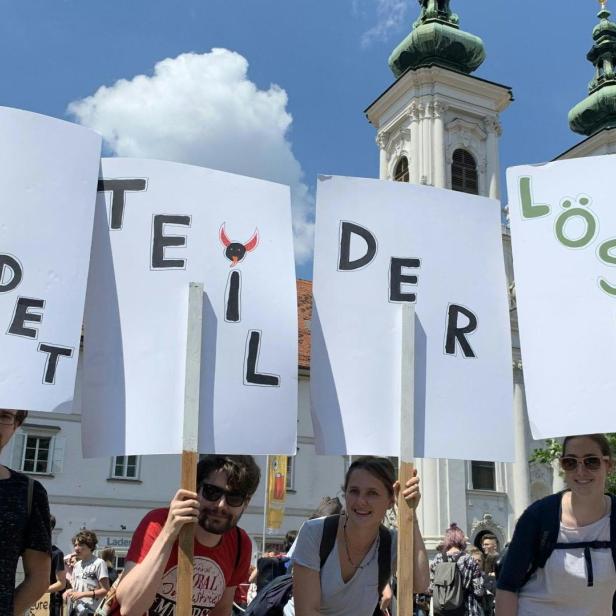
401,172
464,173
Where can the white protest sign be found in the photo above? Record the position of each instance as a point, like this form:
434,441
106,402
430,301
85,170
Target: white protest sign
563,230
379,244
49,170
159,226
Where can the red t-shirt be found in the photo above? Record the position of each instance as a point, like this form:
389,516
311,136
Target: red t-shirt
214,568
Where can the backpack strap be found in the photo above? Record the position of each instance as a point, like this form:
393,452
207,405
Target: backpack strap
30,495
384,557
549,524
586,546
238,554
613,528
328,539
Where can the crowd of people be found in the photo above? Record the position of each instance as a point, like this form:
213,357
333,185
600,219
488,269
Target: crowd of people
342,562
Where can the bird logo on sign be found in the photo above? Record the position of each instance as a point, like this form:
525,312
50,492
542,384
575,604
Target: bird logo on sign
236,251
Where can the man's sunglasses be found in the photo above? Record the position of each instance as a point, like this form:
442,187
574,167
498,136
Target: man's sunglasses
214,493
591,463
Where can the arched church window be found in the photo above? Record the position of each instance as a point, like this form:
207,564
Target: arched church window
464,173
401,172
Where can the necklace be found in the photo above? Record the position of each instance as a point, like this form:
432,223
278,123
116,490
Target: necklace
346,547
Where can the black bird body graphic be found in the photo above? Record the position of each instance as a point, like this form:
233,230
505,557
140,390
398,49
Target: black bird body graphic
236,251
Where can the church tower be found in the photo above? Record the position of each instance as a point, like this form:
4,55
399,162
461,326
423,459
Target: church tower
595,116
437,124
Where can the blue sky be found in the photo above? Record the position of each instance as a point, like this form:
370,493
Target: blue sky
328,59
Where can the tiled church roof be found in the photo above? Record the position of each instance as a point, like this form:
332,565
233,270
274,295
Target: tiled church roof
304,320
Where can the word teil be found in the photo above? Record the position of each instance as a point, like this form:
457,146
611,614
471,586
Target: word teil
159,261
400,279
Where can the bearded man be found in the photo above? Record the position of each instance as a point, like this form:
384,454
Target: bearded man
225,485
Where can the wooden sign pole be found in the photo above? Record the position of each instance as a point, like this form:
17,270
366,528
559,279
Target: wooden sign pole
406,524
190,440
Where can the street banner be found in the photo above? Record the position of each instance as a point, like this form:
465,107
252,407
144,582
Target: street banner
378,245
277,491
563,231
49,170
159,226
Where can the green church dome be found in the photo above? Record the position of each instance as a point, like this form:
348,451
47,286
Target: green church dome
598,110
436,38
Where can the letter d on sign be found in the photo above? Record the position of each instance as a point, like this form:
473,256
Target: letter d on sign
9,281
344,254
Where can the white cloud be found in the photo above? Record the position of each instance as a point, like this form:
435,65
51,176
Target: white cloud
391,15
202,109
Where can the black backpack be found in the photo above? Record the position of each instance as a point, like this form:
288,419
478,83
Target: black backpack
272,599
269,568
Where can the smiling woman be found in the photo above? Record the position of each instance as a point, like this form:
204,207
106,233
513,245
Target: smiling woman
560,560
349,580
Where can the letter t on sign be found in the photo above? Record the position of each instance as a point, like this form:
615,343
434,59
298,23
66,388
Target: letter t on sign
118,188
54,352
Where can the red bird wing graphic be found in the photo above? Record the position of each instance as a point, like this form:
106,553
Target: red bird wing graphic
253,242
223,236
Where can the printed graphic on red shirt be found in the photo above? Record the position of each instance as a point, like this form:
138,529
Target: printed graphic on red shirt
208,587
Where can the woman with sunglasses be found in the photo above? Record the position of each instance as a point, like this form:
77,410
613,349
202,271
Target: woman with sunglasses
348,583
560,559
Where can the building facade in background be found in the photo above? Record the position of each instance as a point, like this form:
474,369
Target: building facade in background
436,125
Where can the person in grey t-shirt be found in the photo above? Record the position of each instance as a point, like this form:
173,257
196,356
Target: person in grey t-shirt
348,584
90,579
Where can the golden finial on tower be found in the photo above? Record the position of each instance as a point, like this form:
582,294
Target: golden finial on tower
603,4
